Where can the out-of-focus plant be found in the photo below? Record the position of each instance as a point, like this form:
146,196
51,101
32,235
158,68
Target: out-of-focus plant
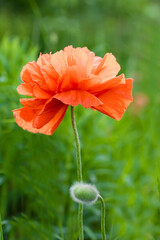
130,29
1,231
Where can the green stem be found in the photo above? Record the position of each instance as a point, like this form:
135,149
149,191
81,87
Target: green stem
102,218
1,230
79,172
80,221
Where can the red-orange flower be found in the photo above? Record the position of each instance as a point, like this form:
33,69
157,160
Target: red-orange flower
70,77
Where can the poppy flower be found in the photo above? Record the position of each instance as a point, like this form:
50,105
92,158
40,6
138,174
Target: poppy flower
70,77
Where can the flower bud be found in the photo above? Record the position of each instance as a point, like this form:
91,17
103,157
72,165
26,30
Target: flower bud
84,193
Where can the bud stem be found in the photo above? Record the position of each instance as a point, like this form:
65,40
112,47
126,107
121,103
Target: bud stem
79,172
102,218
1,230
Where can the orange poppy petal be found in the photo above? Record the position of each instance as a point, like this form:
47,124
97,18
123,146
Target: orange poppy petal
25,89
25,113
82,58
31,73
52,109
44,59
97,61
34,103
86,50
108,67
37,75
23,123
95,86
75,97
51,126
116,100
84,62
69,80
25,75
70,55
51,81
59,62
47,129
47,70
40,93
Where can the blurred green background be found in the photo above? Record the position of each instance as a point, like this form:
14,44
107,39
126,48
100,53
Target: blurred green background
121,158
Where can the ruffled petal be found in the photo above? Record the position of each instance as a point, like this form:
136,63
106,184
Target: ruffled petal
27,114
47,70
33,103
108,67
31,73
97,61
25,75
51,81
82,58
75,97
95,86
44,60
25,89
70,55
116,100
84,62
25,118
70,80
33,90
52,109
40,93
59,62
26,125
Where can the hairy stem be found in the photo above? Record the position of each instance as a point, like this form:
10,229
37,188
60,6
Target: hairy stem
79,172
102,218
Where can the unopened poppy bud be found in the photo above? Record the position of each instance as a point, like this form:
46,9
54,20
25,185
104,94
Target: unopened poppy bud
84,193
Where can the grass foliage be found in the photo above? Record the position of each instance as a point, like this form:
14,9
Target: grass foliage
120,158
